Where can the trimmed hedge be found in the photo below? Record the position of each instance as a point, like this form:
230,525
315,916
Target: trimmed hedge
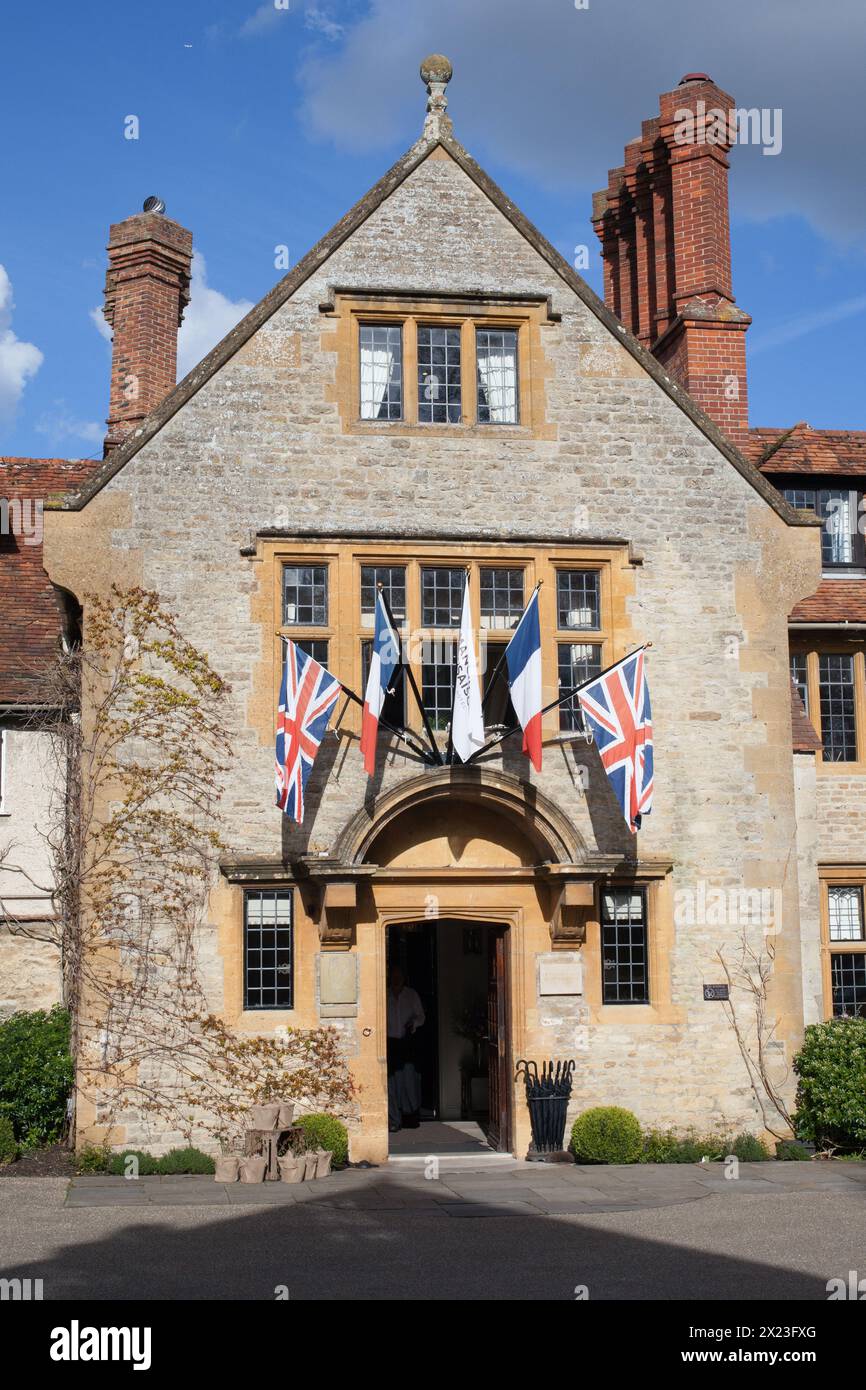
831,1090
35,1075
327,1132
606,1134
176,1161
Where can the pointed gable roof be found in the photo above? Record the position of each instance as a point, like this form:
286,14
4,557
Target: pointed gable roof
437,135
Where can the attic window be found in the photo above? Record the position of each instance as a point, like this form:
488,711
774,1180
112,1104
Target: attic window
381,371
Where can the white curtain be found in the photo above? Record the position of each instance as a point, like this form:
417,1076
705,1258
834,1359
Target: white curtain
839,526
498,378
377,365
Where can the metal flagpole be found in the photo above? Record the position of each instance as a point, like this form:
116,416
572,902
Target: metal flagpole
404,667
560,701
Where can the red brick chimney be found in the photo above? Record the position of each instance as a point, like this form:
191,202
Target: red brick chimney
666,245
146,292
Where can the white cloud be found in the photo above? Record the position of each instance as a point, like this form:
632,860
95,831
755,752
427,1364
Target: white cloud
321,22
265,18
209,317
804,324
536,91
18,361
58,425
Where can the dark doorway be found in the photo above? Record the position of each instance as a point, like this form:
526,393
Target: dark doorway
461,1053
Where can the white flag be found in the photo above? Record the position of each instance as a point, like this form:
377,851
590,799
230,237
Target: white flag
467,726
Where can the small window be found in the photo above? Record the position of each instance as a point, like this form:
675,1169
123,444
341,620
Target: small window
845,913
381,371
578,599
268,950
838,721
496,361
439,376
625,978
394,706
848,979
305,595
317,650
437,682
800,676
801,498
393,581
442,597
501,598
578,662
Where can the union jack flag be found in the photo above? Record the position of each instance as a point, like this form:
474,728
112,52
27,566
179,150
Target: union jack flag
307,697
617,710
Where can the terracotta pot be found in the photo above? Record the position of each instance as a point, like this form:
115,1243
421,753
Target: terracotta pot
227,1168
287,1113
323,1162
252,1169
311,1165
291,1168
264,1116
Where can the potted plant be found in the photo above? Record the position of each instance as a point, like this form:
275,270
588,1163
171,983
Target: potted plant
227,1167
252,1168
324,1158
292,1168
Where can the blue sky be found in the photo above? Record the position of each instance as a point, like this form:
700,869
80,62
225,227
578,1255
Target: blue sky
260,125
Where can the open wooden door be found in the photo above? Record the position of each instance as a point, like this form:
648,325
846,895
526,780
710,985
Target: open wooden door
498,1051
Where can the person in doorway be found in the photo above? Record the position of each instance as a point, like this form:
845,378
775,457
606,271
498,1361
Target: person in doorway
405,1016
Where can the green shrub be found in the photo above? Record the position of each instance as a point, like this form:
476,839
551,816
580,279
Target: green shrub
35,1075
748,1148
147,1164
186,1161
667,1146
831,1088
792,1151
8,1145
92,1159
606,1134
327,1132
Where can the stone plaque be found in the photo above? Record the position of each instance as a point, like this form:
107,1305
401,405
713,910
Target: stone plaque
560,977
338,984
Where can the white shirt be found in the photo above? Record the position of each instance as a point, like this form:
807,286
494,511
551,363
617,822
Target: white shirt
403,1008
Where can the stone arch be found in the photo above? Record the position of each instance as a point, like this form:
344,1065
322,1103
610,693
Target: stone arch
553,837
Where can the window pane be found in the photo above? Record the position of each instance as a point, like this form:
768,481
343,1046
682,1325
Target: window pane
496,358
381,372
848,978
577,599
845,913
801,498
838,727
439,380
305,595
578,662
442,597
268,950
437,682
501,598
394,706
624,947
800,676
839,525
317,650
393,581
498,709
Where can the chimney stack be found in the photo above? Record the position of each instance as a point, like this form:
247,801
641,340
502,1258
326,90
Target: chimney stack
665,235
146,292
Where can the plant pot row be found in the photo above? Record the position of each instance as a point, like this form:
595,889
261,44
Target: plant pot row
293,1167
276,1115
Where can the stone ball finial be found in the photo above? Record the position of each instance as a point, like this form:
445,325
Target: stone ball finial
436,68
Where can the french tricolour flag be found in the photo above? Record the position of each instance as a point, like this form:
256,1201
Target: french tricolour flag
386,655
523,655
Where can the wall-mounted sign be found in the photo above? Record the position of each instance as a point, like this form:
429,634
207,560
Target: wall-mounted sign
714,992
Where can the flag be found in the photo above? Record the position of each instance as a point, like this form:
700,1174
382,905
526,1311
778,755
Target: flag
523,657
467,723
385,656
307,697
617,709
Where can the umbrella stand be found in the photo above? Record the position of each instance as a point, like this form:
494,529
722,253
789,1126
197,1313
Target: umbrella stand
547,1095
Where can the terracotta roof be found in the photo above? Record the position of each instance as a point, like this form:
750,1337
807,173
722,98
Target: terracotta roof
800,449
804,736
31,622
836,601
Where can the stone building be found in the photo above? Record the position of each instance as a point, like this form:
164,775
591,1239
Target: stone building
601,449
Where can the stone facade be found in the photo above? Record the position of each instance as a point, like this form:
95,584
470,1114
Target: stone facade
260,456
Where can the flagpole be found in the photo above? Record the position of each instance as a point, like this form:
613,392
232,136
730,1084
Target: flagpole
407,669
561,700
488,692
